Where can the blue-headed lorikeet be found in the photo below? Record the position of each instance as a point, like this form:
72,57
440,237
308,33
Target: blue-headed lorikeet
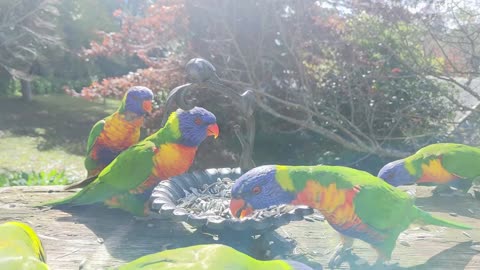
208,257
443,164
170,151
20,248
355,203
115,133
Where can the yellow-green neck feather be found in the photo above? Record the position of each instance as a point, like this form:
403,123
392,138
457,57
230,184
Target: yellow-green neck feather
168,133
284,179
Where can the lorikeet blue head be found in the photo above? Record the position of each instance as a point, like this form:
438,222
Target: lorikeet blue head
138,100
396,174
195,125
257,189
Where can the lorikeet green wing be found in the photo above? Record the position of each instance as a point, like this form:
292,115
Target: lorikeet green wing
459,160
207,257
97,129
20,247
130,169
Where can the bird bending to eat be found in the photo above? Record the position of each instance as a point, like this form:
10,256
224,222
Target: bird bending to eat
20,248
355,203
118,131
127,181
208,257
442,164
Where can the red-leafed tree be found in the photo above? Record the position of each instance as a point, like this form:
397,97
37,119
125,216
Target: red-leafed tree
156,37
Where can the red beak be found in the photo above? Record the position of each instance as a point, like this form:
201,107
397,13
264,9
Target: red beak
239,208
147,106
212,130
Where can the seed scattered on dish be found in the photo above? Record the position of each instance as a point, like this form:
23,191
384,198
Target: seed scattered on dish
213,201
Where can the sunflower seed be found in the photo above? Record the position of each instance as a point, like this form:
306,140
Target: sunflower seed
404,243
214,200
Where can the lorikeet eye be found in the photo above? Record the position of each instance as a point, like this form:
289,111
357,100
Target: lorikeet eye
198,121
256,190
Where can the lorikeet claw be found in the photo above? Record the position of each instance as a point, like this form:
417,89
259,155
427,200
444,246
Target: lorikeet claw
385,266
343,252
349,257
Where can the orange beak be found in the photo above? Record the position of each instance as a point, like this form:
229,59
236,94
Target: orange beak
147,106
239,208
212,130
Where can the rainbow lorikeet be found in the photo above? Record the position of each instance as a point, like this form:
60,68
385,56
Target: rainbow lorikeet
115,133
208,257
20,247
355,203
170,151
443,164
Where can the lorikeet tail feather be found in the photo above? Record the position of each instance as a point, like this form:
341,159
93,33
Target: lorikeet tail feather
70,201
430,219
82,183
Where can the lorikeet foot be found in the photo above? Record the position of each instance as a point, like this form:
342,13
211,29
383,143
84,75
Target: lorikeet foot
385,266
382,261
343,252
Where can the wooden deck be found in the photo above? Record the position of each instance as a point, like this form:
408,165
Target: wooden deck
98,238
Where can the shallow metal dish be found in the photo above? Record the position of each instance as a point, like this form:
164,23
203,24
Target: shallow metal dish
168,192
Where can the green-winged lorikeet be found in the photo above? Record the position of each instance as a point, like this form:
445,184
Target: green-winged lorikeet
20,248
355,203
208,257
443,164
115,133
126,182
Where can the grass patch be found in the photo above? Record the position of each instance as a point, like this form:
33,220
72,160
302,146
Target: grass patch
52,177
26,154
47,135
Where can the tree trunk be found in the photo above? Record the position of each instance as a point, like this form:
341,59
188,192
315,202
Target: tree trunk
26,90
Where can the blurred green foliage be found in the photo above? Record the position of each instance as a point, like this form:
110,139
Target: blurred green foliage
52,177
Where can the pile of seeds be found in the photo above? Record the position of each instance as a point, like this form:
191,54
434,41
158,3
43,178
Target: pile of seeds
214,200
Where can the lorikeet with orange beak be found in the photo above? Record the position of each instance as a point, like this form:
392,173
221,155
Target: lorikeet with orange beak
126,182
115,133
355,203
442,164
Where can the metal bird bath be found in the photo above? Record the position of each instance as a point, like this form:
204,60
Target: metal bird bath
167,196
